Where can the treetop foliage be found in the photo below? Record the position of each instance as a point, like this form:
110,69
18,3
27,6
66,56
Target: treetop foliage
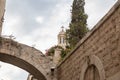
78,26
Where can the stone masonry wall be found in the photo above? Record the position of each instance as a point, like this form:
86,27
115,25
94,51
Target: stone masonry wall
103,41
2,10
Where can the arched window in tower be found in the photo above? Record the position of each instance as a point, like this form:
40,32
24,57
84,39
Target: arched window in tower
63,40
92,73
60,40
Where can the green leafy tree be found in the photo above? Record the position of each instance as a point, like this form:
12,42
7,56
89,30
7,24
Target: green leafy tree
51,51
77,28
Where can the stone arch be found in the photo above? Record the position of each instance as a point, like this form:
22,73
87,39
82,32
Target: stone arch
93,60
25,57
21,64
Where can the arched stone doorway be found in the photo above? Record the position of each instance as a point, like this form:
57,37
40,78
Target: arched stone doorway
92,69
92,73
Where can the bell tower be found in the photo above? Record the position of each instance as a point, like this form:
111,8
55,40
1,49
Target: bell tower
62,38
2,11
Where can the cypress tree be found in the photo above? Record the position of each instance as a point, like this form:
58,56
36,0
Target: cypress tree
78,26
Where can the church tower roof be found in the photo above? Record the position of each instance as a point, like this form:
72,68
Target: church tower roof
62,32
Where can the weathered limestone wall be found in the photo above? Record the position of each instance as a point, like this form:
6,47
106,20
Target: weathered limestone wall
57,57
2,10
100,47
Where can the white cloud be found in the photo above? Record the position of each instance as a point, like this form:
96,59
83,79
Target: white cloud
96,9
10,72
4,78
39,19
11,24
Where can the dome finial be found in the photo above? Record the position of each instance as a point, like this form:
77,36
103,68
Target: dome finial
62,28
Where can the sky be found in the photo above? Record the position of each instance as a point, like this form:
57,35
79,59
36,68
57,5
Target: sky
10,72
38,22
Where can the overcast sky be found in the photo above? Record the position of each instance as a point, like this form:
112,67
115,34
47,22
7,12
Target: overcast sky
38,22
